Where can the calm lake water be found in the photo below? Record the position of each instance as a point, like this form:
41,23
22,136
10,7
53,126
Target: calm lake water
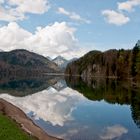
68,108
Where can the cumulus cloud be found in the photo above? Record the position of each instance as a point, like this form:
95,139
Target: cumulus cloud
118,17
13,10
52,40
72,15
49,105
113,132
114,17
10,15
128,5
13,37
30,6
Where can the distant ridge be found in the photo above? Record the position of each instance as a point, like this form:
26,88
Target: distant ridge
22,61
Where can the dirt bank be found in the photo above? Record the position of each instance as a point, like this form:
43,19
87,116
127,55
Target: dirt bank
26,124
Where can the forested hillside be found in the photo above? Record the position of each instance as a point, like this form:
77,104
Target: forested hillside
121,64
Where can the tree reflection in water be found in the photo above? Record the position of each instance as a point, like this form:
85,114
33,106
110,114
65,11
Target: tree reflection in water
110,90
96,89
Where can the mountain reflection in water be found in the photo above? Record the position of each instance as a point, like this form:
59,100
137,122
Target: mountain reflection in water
70,108
112,91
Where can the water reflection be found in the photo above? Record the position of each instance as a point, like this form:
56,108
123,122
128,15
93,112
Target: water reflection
99,89
112,91
113,132
72,108
23,86
49,105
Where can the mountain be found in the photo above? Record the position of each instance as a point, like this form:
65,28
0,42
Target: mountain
112,63
61,62
22,61
49,58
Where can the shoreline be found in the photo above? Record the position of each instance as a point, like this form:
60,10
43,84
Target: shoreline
26,124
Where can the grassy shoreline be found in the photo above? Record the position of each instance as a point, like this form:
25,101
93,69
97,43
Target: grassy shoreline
10,130
17,126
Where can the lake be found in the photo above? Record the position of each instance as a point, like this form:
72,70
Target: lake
74,109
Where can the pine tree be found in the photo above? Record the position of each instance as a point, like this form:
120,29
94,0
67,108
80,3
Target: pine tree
136,60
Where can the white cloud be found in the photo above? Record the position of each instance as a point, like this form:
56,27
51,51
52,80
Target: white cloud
114,17
63,11
52,40
30,6
73,15
9,15
14,10
118,17
12,36
128,5
113,132
52,106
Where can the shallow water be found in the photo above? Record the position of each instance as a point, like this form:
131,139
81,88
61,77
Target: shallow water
68,108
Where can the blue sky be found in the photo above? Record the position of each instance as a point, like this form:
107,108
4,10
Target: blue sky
72,27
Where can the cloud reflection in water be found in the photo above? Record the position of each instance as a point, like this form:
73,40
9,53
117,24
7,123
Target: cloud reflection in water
112,132
49,105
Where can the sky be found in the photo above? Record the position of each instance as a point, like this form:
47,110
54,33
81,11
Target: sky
69,28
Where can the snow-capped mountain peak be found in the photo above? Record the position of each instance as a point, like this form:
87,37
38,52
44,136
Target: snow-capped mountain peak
60,61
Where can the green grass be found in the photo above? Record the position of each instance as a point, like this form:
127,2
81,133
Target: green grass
10,130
